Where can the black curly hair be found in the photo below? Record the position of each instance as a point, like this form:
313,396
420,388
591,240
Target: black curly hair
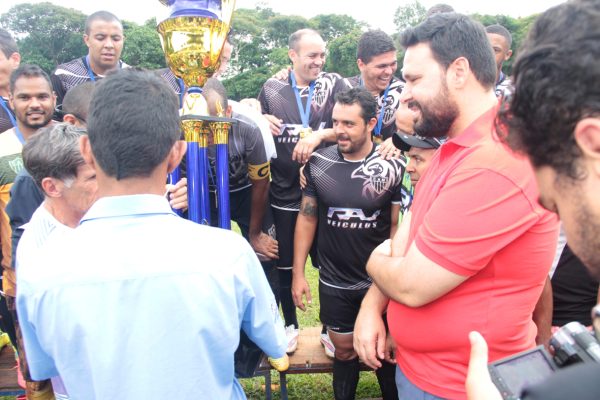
557,83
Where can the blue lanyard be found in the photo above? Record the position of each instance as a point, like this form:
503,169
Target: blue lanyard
181,91
89,69
13,121
304,113
3,104
377,130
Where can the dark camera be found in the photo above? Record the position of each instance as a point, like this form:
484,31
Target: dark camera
571,344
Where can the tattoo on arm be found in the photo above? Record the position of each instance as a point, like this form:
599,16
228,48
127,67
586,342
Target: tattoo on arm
309,207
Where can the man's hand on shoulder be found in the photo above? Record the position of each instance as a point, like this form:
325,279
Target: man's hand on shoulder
275,124
387,150
305,147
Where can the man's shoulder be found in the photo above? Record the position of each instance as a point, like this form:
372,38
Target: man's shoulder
274,83
396,84
353,81
75,66
330,153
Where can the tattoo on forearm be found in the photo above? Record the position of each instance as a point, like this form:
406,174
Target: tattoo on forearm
309,208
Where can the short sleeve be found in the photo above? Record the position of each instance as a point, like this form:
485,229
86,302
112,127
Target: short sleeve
41,365
254,145
309,189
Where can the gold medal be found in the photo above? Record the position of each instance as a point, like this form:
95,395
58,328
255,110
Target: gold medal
305,132
377,139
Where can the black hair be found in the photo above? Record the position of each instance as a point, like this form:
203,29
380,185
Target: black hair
7,44
77,100
498,29
557,83
361,96
452,35
439,8
133,122
102,16
28,71
373,43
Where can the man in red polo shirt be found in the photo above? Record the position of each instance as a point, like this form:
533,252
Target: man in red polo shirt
478,247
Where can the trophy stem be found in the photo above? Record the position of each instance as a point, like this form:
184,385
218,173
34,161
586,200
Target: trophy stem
203,194
223,186
192,156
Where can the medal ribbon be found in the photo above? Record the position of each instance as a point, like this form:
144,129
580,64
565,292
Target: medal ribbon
304,113
13,121
377,130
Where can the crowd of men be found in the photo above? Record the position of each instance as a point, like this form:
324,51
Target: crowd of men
427,199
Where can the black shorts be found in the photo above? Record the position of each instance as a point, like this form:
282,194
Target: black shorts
339,307
285,225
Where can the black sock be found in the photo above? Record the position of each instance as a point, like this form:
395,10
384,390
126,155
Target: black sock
285,295
288,307
345,378
386,376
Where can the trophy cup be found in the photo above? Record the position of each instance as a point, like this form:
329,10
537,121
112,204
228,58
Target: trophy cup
192,38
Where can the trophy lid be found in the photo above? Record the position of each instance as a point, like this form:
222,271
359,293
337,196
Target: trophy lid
193,8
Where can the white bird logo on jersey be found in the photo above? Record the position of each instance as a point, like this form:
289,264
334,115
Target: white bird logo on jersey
377,175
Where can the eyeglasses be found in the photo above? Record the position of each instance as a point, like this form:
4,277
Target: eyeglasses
60,113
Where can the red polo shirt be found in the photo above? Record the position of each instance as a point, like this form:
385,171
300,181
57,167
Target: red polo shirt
475,214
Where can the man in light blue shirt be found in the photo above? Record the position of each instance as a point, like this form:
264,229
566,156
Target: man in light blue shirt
90,315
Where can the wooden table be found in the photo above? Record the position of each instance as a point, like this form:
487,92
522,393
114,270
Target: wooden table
8,373
309,358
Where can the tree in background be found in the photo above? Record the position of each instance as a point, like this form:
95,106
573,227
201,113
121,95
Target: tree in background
342,54
409,15
47,34
142,45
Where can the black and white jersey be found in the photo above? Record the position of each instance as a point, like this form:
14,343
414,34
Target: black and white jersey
390,103
245,148
5,122
278,98
70,74
354,211
504,86
171,79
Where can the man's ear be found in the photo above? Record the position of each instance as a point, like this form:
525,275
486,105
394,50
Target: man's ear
371,124
14,60
360,64
176,154
508,55
86,151
52,187
458,73
86,40
292,54
70,119
587,137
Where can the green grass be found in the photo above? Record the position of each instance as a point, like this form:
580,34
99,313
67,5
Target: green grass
310,386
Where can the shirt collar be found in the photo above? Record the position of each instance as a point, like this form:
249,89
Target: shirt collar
479,129
120,206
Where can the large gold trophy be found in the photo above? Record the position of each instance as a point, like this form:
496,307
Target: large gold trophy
192,38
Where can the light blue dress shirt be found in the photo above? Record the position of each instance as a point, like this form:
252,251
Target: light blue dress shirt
137,303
